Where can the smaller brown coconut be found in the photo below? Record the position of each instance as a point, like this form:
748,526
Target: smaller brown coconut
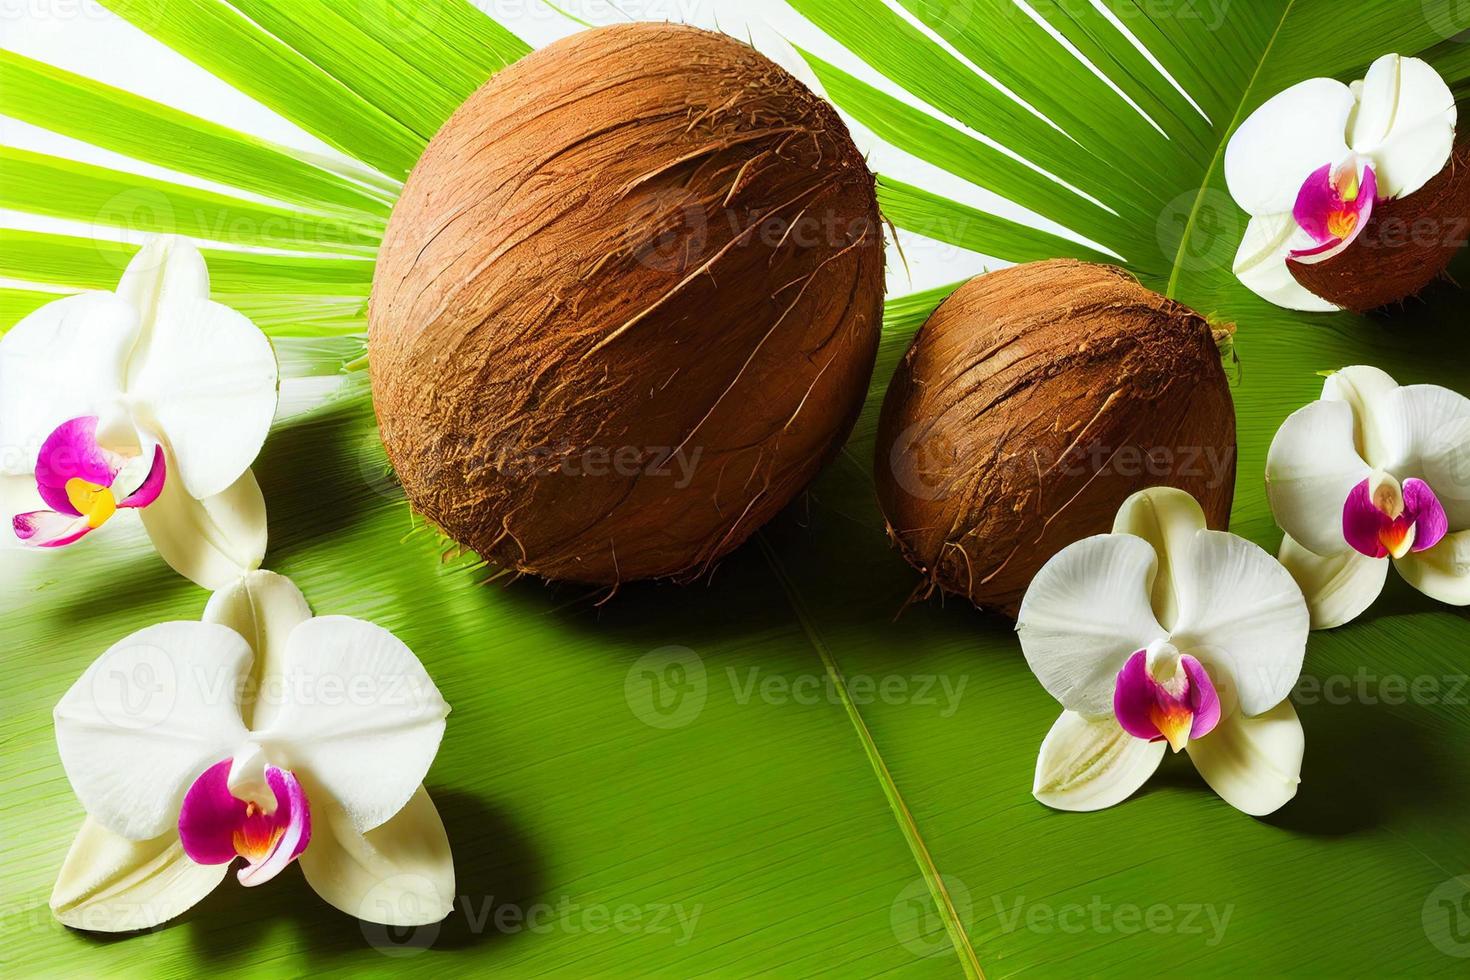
1033,402
1408,244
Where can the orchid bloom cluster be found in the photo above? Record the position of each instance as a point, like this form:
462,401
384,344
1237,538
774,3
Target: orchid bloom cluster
189,748
1166,635
151,399
1373,474
1312,163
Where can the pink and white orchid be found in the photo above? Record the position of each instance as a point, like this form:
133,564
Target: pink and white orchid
1373,473
190,746
1311,164
151,399
1161,635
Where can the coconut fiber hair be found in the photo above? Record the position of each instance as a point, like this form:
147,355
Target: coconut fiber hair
628,305
1032,403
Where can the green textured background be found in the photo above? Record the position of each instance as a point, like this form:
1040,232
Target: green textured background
794,832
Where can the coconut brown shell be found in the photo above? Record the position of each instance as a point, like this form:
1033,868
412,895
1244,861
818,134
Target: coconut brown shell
1408,244
1032,403
627,307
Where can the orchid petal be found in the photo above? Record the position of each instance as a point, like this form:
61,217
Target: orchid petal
264,608
17,496
1284,140
1085,614
1426,428
1311,467
211,542
1427,514
71,452
48,529
1444,460
1260,263
1338,588
1243,617
1406,122
209,817
64,361
1087,765
109,883
1255,764
398,874
208,381
147,718
1166,518
152,486
164,277
370,745
1371,395
1442,572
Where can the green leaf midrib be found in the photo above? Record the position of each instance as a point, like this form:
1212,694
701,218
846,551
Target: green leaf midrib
901,813
1224,141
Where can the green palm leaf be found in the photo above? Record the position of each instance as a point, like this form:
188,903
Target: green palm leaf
803,816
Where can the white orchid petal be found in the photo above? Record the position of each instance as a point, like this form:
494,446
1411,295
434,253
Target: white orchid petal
1242,614
360,718
1442,572
1405,122
1260,263
210,542
147,718
1370,393
64,361
1310,468
264,608
166,276
1090,764
1086,612
208,382
1255,764
1166,518
109,883
1284,141
398,874
1429,430
1338,588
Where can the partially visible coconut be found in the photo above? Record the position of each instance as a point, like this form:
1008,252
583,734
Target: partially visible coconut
1032,403
1409,243
627,306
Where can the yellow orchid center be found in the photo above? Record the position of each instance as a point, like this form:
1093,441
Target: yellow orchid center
95,503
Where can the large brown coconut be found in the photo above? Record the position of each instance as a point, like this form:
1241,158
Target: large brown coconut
628,305
1033,402
1408,244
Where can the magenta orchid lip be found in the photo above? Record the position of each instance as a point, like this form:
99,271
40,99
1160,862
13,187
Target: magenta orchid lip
79,480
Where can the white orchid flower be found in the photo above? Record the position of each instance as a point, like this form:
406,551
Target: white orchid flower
1372,473
188,749
1166,634
152,399
1310,165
